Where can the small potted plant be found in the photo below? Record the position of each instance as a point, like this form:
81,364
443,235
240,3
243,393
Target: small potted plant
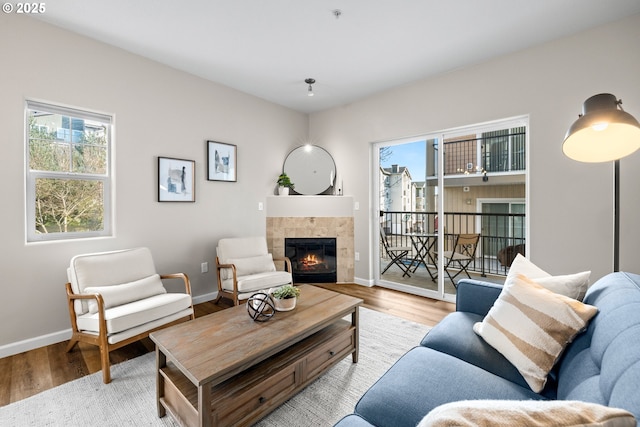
284,184
285,297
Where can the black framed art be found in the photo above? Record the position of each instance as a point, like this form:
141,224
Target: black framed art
176,180
221,161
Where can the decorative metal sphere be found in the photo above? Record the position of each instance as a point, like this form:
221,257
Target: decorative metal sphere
260,307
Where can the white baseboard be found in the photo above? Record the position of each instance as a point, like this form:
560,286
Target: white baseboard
33,343
364,282
206,297
56,337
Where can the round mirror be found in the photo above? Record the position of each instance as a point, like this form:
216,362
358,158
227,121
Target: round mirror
311,169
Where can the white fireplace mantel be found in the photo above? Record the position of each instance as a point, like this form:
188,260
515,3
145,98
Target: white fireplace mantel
309,206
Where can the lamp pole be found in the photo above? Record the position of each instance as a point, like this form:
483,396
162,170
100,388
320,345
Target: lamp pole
616,215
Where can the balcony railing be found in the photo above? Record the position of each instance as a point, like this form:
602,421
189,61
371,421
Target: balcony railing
501,235
498,151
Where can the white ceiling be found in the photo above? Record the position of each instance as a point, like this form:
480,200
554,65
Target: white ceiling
267,48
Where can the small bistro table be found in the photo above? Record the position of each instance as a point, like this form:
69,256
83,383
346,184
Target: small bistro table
424,244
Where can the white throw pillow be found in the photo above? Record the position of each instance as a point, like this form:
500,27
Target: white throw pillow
531,413
531,325
250,265
116,295
571,285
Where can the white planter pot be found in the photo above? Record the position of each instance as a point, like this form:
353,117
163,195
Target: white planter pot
283,191
285,304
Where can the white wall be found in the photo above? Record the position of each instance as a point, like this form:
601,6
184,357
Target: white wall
159,112
570,202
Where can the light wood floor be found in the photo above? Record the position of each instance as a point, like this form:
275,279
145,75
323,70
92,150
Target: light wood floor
34,371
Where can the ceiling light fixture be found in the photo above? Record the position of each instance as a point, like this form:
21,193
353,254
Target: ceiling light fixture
310,82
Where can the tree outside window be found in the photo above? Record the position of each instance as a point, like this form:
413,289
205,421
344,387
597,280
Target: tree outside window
68,178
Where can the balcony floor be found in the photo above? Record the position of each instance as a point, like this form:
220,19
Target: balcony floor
421,279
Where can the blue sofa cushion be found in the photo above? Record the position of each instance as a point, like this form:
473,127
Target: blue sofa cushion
474,296
425,378
454,336
352,420
602,365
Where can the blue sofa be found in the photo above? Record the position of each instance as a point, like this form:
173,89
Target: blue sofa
452,363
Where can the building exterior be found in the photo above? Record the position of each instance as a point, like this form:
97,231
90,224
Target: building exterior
397,195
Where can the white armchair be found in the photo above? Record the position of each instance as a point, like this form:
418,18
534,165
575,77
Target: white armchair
244,266
116,298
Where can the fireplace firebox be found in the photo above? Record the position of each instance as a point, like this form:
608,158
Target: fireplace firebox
313,260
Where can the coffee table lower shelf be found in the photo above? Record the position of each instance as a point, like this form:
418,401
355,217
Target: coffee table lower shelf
253,393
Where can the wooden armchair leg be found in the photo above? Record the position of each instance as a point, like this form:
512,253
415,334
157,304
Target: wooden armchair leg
106,366
72,343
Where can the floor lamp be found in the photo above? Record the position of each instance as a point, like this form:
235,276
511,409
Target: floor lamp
604,133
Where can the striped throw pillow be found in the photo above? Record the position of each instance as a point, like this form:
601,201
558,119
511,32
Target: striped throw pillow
570,285
530,326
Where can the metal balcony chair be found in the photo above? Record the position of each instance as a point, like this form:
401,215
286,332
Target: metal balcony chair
463,253
396,253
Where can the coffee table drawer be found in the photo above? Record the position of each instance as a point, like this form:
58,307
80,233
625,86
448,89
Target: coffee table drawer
329,352
243,401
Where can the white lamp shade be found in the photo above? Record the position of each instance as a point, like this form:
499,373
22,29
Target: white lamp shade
603,133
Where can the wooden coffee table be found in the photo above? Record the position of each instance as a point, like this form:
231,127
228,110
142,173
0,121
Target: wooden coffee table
225,369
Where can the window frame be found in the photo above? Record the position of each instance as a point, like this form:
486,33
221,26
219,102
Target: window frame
32,176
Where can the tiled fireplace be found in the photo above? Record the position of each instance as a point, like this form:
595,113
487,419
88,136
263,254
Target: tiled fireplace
313,217
313,259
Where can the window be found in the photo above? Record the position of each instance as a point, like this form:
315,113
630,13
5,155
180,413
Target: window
503,150
503,219
68,178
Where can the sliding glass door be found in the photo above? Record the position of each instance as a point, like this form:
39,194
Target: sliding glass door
435,190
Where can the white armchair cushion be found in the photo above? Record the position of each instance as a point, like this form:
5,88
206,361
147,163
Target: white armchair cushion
115,295
241,247
141,329
249,266
259,281
108,268
127,316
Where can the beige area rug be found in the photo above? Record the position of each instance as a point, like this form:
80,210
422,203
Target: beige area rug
130,398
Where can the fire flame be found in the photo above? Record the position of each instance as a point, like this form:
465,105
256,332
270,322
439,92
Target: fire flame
310,260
